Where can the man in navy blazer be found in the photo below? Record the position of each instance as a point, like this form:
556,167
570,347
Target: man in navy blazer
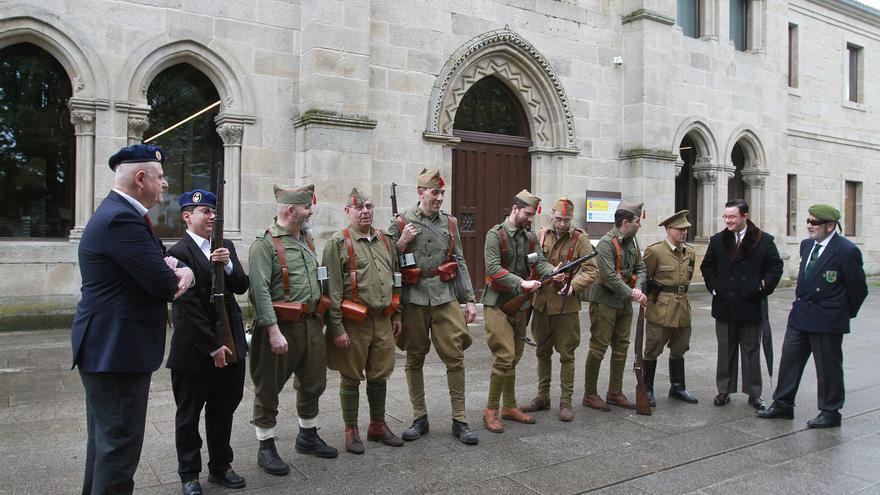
204,372
830,290
118,334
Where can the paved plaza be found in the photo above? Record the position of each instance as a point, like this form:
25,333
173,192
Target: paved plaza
681,448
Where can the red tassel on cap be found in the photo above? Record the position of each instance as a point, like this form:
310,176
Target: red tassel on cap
644,214
353,200
442,182
539,209
314,199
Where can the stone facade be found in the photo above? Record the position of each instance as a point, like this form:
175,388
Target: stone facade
364,92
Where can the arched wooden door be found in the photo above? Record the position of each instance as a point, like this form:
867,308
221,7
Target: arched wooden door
489,166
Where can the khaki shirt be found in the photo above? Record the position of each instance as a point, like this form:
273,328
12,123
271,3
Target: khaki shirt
267,284
555,249
376,264
430,252
517,265
671,269
612,289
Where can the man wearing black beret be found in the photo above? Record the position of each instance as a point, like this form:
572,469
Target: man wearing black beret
118,334
204,372
830,290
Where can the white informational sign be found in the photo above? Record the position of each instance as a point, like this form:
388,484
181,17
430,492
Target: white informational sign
601,209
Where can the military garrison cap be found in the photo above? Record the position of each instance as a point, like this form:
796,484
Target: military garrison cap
197,197
678,220
137,153
564,206
430,178
634,208
291,195
357,197
528,198
825,213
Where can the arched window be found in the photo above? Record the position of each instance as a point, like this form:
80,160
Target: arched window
36,145
193,149
490,106
686,185
736,187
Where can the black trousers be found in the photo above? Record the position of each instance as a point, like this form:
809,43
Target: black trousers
116,412
219,393
827,350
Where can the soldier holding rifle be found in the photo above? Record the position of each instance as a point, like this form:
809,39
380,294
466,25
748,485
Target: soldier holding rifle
206,372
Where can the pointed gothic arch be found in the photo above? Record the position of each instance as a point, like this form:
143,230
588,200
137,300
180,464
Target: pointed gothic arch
507,56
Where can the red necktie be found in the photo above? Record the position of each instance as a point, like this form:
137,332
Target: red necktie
149,222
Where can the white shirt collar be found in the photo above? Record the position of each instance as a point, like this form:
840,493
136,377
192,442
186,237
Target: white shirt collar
137,204
672,246
200,241
742,233
827,239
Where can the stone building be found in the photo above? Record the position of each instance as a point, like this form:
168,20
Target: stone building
680,104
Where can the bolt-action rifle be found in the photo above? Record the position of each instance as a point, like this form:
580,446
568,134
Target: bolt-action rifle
218,274
642,406
513,305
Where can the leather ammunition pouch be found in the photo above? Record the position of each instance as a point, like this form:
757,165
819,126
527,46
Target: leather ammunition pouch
288,311
354,311
392,308
410,276
447,271
293,311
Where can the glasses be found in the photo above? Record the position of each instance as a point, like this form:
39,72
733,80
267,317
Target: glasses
368,206
814,222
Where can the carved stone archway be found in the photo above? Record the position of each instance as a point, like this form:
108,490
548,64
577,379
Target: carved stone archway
706,170
754,172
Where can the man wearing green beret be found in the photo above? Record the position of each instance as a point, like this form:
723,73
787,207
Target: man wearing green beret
363,318
621,278
429,240
510,272
831,288
669,268
290,342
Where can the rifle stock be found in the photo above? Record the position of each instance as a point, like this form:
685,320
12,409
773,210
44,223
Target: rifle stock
394,199
512,306
642,406
218,274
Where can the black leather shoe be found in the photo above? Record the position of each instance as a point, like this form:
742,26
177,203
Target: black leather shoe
191,487
419,427
757,403
775,411
463,432
825,419
308,442
269,460
721,399
227,478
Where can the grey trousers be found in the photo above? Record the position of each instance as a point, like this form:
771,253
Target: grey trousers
734,337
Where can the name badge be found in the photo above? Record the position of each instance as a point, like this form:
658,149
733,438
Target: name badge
321,272
407,260
831,276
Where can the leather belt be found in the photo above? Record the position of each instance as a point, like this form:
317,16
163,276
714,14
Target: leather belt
675,289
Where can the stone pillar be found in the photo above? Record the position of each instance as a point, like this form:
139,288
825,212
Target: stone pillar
755,178
82,116
231,131
707,175
137,118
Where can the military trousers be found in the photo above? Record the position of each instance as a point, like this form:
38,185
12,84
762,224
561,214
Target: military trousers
444,326
505,336
657,336
561,332
608,327
370,353
306,358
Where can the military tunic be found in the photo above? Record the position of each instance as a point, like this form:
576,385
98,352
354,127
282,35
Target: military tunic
668,315
611,308
431,313
555,322
306,354
370,354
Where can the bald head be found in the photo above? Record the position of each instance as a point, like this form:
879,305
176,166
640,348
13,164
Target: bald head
144,181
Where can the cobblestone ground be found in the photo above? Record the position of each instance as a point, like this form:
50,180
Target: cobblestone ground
681,448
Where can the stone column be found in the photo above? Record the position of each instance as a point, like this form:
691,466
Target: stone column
82,116
137,118
755,178
707,175
231,131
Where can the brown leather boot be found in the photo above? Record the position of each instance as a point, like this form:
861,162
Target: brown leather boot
353,442
537,404
619,400
595,402
493,423
566,413
379,432
516,414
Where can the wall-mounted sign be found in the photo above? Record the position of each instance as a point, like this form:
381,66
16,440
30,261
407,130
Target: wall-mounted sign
601,209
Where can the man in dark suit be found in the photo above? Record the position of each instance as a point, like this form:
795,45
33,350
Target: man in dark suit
742,266
118,334
202,375
830,290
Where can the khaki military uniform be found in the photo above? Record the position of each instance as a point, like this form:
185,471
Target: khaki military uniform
668,315
611,309
306,356
431,313
555,321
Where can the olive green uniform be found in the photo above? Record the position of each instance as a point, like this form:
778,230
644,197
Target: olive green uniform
505,334
370,353
668,315
306,356
611,309
555,321
431,312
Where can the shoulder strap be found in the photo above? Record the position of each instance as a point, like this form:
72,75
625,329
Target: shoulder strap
618,261
401,223
352,263
533,273
381,235
285,275
452,222
310,242
573,244
502,234
543,235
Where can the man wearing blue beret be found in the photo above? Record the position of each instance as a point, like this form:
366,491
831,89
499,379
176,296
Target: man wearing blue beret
203,373
118,334
831,288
